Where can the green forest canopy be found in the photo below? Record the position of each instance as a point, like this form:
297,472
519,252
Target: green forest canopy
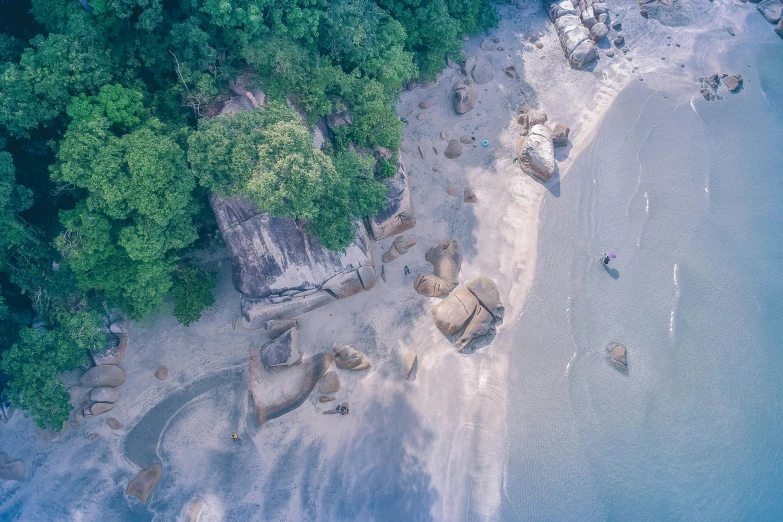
106,160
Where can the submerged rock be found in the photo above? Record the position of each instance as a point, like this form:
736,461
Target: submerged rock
12,469
281,389
346,357
104,375
144,483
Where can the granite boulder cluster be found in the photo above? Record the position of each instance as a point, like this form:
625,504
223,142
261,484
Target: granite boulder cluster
772,11
579,26
470,313
536,149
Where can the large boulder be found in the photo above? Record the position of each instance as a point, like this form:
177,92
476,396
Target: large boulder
104,375
464,96
452,314
104,394
486,291
399,247
772,10
571,37
536,153
12,469
144,483
282,351
398,214
480,325
598,32
114,352
279,390
430,285
346,357
585,54
99,408
482,73
446,258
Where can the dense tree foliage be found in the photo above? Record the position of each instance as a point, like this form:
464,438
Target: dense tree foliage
108,152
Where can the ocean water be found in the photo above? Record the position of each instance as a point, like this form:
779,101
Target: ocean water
689,194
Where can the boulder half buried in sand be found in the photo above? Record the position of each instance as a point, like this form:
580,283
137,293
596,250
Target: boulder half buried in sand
398,214
279,390
453,150
144,483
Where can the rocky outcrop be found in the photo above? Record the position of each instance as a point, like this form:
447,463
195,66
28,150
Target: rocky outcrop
453,150
280,270
347,357
464,96
329,383
12,469
618,354
573,23
279,390
560,135
446,258
398,215
282,351
399,247
104,375
470,313
536,153
144,483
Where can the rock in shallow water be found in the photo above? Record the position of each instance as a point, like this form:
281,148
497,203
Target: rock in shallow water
618,354
144,483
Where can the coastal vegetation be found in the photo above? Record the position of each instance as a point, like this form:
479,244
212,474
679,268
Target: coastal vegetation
109,149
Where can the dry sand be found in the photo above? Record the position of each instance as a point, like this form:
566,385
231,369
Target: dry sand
430,448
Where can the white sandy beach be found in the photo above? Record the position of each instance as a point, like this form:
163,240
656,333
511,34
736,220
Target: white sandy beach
433,448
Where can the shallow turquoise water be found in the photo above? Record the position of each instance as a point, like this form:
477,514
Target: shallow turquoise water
689,196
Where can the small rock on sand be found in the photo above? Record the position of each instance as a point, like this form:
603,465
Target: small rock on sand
324,398
421,117
428,103
467,140
443,135
161,373
347,357
539,45
469,196
194,510
423,151
329,383
114,423
730,31
560,135
451,190
94,437
598,32
144,483
619,41
408,360
454,149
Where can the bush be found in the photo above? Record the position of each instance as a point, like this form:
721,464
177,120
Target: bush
192,292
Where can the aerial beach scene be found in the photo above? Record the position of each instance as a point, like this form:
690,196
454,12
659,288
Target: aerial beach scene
379,260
